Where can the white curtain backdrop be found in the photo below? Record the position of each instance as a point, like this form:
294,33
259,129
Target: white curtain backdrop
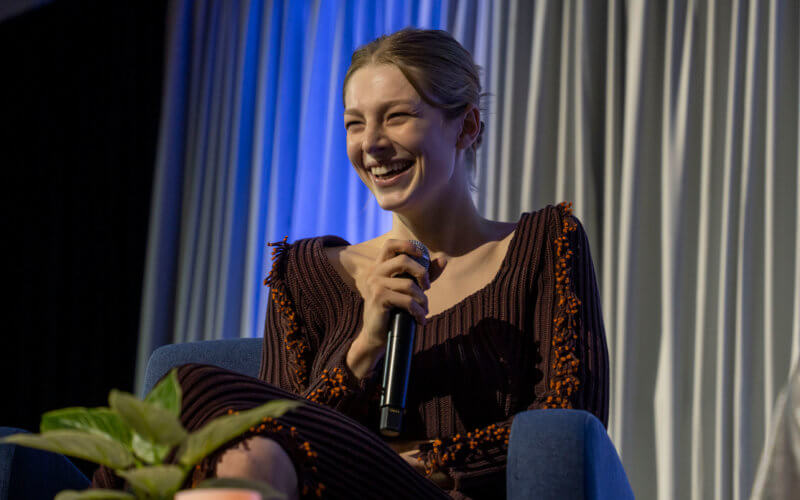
671,125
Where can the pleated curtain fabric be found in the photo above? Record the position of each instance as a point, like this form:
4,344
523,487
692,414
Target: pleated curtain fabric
671,125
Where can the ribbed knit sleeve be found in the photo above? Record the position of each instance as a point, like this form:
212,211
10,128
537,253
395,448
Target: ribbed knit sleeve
301,352
575,364
591,344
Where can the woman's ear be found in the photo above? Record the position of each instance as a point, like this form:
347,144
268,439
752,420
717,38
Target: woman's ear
470,127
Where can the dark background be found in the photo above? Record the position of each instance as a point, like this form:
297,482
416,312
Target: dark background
80,100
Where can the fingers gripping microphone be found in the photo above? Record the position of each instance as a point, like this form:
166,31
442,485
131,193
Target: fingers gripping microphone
397,362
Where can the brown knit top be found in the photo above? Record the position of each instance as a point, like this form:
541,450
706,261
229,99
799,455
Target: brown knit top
532,338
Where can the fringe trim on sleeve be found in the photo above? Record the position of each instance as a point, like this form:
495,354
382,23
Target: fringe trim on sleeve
297,347
334,384
563,361
333,388
301,453
460,448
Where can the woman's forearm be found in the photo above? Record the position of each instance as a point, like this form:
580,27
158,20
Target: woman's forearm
362,358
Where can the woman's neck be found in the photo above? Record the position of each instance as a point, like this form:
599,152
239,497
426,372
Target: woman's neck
449,226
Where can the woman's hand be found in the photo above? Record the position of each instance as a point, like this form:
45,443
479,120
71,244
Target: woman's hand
441,479
385,290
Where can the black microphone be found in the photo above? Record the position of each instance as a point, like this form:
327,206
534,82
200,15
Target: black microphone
397,362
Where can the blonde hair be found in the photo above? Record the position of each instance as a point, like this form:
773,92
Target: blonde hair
439,68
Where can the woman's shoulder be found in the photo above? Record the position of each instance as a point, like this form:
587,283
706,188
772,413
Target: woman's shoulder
549,222
548,214
548,231
301,266
565,234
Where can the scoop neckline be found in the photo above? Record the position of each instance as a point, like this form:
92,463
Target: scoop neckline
504,264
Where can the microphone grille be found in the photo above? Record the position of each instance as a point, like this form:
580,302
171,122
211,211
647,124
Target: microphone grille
425,259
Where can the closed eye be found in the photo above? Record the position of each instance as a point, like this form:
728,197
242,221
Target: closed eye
347,124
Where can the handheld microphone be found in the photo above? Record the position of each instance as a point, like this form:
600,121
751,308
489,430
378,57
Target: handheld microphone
397,362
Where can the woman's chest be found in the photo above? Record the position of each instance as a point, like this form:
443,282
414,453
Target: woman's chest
459,280
482,360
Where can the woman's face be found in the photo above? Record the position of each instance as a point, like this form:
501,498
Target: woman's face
402,148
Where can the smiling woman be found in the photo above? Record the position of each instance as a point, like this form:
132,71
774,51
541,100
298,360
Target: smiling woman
508,313
405,150
398,83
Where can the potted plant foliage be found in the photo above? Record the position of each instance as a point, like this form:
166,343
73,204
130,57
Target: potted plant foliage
134,437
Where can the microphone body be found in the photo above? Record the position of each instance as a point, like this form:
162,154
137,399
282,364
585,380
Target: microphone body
396,370
397,362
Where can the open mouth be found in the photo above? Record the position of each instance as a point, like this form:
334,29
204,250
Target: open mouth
385,172
389,174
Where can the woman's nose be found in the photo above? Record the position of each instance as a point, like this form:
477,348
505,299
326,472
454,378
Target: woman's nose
374,139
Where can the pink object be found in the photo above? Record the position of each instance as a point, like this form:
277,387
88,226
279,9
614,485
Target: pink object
217,494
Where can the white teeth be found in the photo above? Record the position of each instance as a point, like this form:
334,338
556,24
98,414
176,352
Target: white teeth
385,169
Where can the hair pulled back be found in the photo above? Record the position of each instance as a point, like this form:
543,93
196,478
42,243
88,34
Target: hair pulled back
439,68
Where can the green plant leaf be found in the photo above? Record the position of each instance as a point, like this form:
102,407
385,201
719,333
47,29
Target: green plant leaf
151,422
98,449
167,393
221,430
96,494
148,451
97,421
267,492
159,481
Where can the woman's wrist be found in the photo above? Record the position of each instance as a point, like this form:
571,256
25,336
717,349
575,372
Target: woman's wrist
362,357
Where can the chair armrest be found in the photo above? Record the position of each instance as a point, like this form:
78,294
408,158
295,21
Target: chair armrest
31,473
240,355
563,454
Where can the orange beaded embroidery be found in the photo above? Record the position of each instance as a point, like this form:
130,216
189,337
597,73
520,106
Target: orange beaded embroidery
563,361
293,339
459,447
270,426
332,389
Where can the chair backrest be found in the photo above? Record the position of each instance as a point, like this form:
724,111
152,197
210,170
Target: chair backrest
239,355
571,442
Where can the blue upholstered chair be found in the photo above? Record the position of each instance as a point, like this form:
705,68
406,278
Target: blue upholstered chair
570,445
